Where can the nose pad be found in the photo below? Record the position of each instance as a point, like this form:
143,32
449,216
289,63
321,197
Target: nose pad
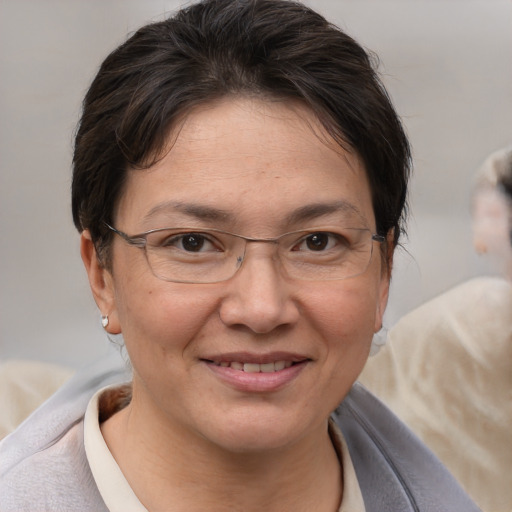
274,257
257,296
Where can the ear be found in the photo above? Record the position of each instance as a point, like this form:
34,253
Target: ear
385,279
101,282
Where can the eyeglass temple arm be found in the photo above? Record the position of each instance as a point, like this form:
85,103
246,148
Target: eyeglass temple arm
137,241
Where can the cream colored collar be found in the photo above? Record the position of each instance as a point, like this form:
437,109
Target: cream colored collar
119,496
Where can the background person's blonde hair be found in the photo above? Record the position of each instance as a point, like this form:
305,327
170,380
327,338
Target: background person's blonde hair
495,170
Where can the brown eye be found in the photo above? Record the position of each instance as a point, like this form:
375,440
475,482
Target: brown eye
189,242
317,241
322,242
192,242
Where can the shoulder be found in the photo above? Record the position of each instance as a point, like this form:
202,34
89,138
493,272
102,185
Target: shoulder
55,478
395,470
43,465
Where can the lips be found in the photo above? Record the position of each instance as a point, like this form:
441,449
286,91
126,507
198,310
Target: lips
251,372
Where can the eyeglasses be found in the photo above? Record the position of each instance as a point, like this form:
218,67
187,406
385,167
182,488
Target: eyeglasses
192,255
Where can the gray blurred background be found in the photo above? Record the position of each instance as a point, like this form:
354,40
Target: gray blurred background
446,63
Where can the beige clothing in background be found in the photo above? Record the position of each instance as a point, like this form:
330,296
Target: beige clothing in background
24,386
446,371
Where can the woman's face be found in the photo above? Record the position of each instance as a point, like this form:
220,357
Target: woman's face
259,169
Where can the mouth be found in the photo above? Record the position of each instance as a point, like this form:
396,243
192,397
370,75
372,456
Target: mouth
270,367
251,362
251,372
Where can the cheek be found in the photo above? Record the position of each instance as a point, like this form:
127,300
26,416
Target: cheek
159,319
355,316
345,315
345,320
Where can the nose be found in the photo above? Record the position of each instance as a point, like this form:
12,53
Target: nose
258,297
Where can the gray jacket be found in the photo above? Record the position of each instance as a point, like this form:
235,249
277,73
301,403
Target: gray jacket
396,472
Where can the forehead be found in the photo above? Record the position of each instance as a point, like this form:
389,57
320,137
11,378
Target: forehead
247,160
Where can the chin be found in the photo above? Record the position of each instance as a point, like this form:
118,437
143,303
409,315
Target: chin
256,432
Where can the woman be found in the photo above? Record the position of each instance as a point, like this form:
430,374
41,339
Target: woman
239,182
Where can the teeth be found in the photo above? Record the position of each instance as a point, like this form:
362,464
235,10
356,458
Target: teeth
251,367
279,365
255,367
267,367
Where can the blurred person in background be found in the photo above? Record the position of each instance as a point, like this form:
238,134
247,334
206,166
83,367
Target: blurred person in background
446,369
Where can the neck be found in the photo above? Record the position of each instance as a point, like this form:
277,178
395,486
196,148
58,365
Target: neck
168,465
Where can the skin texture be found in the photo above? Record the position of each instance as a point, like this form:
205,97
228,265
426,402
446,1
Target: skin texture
260,162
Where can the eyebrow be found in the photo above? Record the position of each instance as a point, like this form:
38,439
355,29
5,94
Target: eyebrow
302,214
200,212
313,211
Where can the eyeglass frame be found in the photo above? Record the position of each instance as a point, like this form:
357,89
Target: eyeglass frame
140,241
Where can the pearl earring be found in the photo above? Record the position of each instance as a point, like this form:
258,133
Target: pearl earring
104,321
